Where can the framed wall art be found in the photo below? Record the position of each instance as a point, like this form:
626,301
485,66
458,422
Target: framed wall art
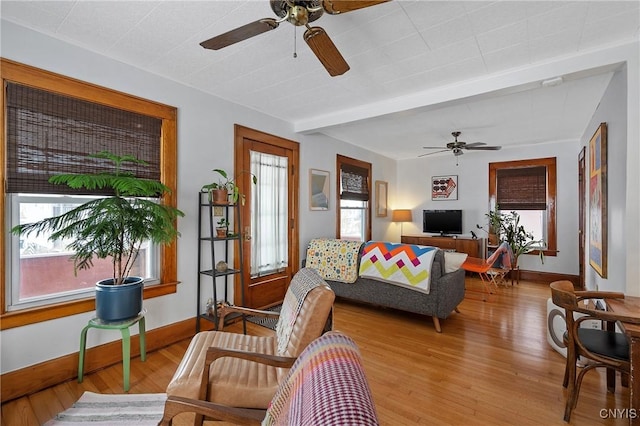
381,198
598,200
444,187
319,189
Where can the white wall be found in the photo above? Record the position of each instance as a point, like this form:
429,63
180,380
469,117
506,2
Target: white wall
612,110
205,141
473,188
319,152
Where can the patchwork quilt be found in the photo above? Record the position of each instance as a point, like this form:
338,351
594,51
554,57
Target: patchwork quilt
403,264
335,260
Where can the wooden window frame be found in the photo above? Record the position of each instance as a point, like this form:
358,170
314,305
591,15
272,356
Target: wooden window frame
340,160
550,164
35,77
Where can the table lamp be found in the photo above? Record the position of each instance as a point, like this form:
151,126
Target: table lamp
401,215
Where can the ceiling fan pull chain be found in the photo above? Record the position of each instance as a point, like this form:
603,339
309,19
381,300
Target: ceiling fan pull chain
295,44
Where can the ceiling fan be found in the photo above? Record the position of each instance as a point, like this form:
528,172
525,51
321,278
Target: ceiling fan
299,13
457,146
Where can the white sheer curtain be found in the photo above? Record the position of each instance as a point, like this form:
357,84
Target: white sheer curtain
269,213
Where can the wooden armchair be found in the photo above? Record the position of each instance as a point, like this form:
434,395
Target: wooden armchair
602,347
331,363
245,371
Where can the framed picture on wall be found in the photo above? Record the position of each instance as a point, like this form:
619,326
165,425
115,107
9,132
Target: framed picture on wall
319,189
381,198
598,200
444,187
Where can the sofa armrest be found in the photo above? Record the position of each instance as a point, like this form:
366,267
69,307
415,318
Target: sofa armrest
449,291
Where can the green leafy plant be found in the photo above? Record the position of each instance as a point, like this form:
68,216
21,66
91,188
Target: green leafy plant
519,239
113,226
229,183
222,228
494,224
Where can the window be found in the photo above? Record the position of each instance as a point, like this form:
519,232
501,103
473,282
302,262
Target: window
51,123
354,187
269,213
527,187
36,260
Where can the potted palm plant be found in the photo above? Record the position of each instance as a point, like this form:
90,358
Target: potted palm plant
226,188
112,227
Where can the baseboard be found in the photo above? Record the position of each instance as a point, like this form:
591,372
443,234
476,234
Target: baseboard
547,277
34,378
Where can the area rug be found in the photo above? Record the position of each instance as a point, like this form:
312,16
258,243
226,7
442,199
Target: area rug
266,322
96,409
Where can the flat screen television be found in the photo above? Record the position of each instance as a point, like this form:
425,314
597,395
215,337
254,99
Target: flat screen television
443,222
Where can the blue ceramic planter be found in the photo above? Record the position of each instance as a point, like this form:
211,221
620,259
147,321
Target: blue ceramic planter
119,302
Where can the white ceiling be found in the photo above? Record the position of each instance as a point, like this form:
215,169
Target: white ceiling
396,50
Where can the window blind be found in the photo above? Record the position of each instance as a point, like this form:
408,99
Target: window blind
522,188
49,133
354,182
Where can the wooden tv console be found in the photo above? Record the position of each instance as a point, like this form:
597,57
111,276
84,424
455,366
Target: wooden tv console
474,248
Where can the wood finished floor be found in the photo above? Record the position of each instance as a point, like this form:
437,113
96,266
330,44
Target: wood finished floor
492,365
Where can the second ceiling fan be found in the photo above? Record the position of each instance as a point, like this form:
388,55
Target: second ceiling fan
299,13
458,147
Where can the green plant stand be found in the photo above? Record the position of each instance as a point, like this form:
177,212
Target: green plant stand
123,326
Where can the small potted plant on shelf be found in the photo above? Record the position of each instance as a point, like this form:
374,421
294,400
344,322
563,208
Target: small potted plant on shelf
112,227
222,230
225,188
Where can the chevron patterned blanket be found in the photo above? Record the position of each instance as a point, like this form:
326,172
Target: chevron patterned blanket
403,264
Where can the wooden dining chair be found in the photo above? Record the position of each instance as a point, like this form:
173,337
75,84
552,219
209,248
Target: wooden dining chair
602,348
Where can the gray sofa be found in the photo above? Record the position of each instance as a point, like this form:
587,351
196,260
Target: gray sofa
445,294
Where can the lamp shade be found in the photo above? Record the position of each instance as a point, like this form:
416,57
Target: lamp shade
401,215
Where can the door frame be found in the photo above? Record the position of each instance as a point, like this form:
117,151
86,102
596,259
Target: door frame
582,217
241,133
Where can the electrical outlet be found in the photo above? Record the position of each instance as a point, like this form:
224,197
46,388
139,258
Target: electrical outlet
217,211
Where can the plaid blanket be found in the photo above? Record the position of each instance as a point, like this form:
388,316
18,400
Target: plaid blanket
403,264
326,386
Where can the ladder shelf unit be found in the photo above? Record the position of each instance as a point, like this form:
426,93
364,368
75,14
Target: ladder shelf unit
213,249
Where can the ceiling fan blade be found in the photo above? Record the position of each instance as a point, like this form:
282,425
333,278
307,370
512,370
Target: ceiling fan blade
433,147
474,144
326,51
241,33
483,148
431,153
335,7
